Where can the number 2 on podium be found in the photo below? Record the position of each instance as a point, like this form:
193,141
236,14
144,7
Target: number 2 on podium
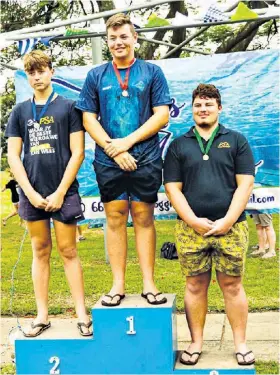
55,369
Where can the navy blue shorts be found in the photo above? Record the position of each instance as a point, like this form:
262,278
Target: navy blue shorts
142,183
69,213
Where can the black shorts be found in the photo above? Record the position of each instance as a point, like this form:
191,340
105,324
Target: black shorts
143,183
69,213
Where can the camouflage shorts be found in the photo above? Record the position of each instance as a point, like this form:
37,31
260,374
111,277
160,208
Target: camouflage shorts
196,253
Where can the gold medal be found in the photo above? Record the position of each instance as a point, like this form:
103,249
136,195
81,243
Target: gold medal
205,157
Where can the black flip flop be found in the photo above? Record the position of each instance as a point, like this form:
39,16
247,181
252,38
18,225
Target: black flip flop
104,303
190,363
244,362
155,302
86,325
42,327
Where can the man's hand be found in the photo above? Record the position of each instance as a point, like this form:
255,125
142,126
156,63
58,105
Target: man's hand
126,162
220,228
38,201
55,201
116,146
202,225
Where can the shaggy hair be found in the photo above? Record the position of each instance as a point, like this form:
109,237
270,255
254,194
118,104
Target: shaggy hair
207,91
36,60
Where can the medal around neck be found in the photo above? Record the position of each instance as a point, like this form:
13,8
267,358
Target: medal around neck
209,143
36,119
123,84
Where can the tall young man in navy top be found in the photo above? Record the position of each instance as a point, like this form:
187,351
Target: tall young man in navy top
125,103
209,176
50,131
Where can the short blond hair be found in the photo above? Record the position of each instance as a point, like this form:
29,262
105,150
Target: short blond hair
36,60
118,20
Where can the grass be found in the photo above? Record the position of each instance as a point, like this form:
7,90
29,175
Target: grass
262,367
262,291
261,279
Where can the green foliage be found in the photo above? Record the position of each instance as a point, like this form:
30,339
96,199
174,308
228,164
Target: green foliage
215,34
7,101
4,163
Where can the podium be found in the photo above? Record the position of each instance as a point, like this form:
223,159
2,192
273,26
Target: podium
132,338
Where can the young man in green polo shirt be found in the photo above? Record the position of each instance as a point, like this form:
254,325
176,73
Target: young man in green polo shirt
208,176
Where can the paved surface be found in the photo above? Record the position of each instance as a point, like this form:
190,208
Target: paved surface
218,350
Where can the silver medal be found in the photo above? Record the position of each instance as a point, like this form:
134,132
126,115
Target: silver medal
36,125
125,93
205,157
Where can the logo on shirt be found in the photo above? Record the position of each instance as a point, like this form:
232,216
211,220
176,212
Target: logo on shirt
224,145
106,88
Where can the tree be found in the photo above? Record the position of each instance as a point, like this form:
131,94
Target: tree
18,14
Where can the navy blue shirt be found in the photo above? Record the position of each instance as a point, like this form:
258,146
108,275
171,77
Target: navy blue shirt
46,148
119,115
209,185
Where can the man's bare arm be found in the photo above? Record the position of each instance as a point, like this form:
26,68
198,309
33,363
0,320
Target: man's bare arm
94,129
151,127
180,203
98,134
77,147
14,152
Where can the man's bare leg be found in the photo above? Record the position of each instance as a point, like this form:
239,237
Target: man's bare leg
196,303
261,240
66,244
116,216
271,238
12,214
41,241
145,238
237,311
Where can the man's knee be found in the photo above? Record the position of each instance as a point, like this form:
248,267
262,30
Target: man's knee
231,287
41,249
143,219
197,285
68,252
116,219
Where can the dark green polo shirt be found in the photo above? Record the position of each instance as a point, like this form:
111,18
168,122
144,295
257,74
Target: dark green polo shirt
209,185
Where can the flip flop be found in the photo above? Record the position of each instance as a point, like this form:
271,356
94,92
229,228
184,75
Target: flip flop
190,363
104,303
42,327
244,362
86,325
155,302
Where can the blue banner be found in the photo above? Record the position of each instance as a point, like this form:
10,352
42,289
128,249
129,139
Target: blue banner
249,87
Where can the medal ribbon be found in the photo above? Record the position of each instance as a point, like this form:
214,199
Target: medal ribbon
123,84
209,143
44,109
